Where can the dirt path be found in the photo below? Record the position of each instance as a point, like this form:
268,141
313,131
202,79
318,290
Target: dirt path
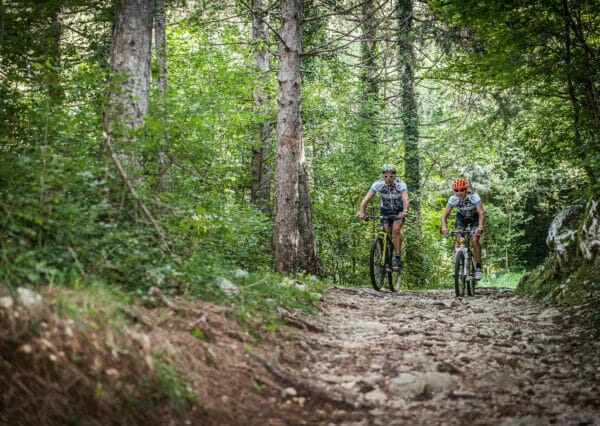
429,358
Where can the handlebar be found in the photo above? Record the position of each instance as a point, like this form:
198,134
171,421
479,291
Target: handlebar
394,216
468,231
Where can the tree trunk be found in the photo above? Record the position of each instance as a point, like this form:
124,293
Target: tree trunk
410,122
53,39
260,193
307,254
366,128
289,133
370,83
160,42
129,82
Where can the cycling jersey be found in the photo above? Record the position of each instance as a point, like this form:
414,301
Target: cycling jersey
467,207
391,195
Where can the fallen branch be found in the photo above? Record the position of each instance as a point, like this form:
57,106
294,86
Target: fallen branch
155,292
136,197
301,323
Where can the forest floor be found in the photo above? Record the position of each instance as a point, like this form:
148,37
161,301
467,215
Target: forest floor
406,358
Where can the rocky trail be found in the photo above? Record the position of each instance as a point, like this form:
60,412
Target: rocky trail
429,358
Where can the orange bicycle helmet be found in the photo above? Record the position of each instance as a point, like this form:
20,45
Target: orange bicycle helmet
460,183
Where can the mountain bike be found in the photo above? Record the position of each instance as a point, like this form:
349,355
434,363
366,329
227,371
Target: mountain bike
381,257
464,263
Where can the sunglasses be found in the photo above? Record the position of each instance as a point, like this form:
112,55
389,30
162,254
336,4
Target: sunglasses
459,190
389,176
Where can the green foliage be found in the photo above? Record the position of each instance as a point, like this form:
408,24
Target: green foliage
501,279
537,52
575,289
267,297
67,218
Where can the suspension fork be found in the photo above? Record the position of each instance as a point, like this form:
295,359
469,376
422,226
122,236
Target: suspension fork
384,235
462,249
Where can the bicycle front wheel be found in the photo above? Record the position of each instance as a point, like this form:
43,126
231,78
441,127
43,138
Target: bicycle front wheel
377,263
459,274
472,280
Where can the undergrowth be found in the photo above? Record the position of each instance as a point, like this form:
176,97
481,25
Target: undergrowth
75,357
576,289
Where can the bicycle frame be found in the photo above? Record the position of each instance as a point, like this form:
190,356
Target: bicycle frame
464,263
381,255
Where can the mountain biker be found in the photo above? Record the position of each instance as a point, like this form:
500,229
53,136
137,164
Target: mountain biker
394,205
469,213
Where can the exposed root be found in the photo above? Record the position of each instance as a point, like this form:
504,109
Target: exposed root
313,389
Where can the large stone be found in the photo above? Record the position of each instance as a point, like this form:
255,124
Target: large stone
409,385
589,240
28,297
498,380
227,286
562,235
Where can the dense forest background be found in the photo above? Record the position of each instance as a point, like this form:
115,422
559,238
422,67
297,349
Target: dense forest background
140,140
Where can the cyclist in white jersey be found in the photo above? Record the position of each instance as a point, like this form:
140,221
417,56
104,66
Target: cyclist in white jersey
469,212
394,205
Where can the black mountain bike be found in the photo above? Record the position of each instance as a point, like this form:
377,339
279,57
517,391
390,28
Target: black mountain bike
381,257
464,263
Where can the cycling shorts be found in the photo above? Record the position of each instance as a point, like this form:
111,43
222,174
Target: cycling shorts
391,216
462,222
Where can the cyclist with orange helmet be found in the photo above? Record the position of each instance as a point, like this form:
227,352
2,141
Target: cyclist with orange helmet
394,205
469,213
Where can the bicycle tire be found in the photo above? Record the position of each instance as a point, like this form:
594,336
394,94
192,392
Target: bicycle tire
377,264
395,279
395,273
472,280
459,276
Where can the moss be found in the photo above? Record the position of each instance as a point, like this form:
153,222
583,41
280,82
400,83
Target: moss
576,290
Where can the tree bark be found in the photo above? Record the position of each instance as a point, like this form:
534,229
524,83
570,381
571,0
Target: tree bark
308,260
160,42
289,132
370,83
129,81
410,122
260,193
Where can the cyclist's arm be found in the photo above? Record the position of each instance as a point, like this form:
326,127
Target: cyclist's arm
405,204
363,205
445,214
481,213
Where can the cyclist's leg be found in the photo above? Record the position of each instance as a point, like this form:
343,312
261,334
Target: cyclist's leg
476,248
473,222
384,222
397,233
459,225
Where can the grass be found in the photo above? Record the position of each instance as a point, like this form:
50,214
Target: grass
501,279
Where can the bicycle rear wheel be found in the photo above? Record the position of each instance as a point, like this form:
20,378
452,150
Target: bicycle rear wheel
395,278
377,263
459,274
